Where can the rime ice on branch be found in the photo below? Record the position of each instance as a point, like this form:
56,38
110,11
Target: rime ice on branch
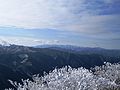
67,78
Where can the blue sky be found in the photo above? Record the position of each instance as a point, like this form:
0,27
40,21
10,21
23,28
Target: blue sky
89,23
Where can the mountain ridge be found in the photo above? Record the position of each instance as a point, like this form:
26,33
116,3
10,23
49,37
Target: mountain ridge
83,50
27,61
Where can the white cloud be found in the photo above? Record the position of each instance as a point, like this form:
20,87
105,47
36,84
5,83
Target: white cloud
71,15
34,13
39,13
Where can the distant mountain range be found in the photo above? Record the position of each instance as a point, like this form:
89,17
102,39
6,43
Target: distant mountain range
17,62
83,50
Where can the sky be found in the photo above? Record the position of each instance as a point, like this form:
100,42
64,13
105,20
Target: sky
86,23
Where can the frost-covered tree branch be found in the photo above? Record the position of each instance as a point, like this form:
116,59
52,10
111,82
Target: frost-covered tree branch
106,77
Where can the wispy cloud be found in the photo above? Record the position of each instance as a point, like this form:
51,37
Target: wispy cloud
95,19
49,13
95,24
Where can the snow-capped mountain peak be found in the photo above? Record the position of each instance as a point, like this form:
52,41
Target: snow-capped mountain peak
4,43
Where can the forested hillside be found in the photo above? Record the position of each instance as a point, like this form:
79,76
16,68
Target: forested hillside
20,62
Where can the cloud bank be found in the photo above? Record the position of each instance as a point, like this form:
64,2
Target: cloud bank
26,41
